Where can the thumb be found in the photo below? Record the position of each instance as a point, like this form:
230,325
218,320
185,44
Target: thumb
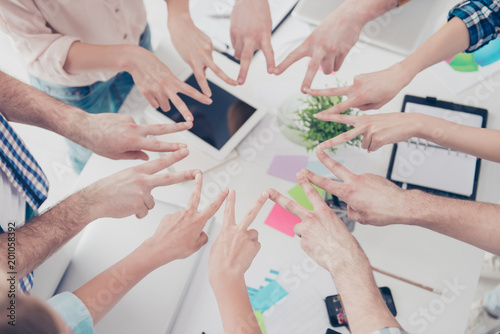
203,239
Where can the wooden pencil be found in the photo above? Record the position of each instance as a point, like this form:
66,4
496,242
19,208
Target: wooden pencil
422,286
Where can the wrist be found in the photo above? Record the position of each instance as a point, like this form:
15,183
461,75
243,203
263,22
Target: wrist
82,207
414,201
154,256
129,58
221,278
362,13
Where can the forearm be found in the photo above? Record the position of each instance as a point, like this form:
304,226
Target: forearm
24,104
116,282
84,58
177,9
454,35
44,235
472,222
479,142
365,309
363,11
234,306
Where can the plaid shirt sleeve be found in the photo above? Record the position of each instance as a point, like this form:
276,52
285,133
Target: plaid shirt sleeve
482,18
390,330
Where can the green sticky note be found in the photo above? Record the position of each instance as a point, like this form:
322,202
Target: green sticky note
260,321
464,62
300,196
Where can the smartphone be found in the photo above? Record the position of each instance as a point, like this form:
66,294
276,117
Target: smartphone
337,314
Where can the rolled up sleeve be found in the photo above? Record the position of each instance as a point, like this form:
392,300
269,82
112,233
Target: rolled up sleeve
482,18
73,312
42,50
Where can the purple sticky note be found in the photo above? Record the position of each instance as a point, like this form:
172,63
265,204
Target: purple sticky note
286,166
281,220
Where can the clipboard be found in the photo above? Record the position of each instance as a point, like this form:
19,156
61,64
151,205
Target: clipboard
427,166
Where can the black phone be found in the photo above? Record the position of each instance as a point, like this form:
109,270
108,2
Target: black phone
337,314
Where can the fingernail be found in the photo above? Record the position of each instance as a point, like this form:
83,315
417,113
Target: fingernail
184,151
189,119
265,194
196,173
270,69
321,147
299,175
315,115
225,190
304,171
240,81
182,145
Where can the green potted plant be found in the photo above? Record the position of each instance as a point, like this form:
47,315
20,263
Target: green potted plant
298,124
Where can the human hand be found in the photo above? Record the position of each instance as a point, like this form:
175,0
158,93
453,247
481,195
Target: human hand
324,237
371,199
369,91
181,234
196,49
129,192
327,46
236,246
377,130
117,136
158,85
251,28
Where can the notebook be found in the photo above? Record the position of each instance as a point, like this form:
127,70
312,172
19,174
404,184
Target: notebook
421,164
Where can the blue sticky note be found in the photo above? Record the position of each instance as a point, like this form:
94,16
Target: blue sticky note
318,168
267,296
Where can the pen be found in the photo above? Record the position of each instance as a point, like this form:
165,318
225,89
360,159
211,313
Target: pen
219,46
220,16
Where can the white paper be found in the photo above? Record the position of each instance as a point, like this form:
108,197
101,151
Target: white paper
432,166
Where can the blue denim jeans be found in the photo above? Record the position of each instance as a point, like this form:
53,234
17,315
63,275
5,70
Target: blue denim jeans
100,97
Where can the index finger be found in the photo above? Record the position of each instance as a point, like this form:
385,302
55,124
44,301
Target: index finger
267,49
312,69
342,138
159,164
220,73
336,168
201,79
311,192
163,129
215,205
254,211
294,56
181,107
287,204
229,210
194,201
246,59
337,91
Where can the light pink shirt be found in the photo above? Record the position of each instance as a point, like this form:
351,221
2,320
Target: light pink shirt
43,31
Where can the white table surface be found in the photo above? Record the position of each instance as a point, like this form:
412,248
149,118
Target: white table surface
412,252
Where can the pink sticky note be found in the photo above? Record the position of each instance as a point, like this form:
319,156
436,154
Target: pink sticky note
287,166
281,220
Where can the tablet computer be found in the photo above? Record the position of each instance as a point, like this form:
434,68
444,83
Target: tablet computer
425,165
217,128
